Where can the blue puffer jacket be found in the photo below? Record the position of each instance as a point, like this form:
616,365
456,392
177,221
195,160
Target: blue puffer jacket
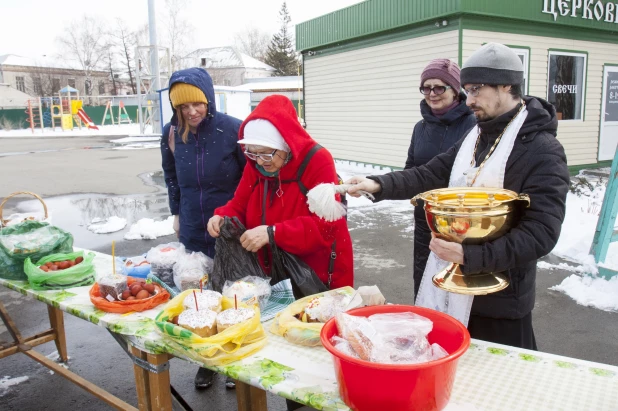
202,174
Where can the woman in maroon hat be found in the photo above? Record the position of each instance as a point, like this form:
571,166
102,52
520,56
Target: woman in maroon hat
446,119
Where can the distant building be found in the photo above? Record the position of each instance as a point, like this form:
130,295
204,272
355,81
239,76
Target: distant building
10,97
289,86
45,77
227,66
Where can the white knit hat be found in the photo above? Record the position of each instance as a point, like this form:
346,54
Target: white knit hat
260,132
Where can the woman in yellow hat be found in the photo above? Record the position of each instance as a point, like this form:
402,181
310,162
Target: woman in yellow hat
202,165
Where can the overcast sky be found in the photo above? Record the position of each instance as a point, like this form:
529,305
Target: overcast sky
30,27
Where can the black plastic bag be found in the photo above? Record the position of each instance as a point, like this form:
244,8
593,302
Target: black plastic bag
285,265
232,262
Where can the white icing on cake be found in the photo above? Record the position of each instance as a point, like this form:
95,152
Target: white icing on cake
197,319
232,316
207,300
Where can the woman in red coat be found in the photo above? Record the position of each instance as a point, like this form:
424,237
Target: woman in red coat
270,195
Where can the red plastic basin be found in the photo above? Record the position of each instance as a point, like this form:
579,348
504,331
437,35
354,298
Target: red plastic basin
369,386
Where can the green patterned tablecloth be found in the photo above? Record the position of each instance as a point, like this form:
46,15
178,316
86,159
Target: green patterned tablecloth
489,376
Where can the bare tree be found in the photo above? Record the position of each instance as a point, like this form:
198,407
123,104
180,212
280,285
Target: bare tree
253,42
113,72
42,79
125,41
85,42
178,32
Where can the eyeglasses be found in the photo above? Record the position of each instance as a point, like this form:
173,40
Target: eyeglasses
474,90
437,90
267,158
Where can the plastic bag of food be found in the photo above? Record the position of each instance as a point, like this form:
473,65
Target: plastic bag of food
125,306
250,290
289,323
393,338
162,259
33,239
138,266
232,344
232,261
57,271
343,346
191,269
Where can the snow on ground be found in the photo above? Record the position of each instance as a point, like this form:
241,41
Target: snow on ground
109,225
117,130
573,245
7,382
149,229
591,292
137,146
139,139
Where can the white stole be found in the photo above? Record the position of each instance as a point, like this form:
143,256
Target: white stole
492,175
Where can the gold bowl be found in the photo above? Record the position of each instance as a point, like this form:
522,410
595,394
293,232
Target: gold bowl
471,215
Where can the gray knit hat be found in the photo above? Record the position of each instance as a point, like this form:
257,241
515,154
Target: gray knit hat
494,64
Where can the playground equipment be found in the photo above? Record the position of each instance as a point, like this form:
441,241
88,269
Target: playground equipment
67,109
123,118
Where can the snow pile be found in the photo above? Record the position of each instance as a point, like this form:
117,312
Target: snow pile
591,292
149,229
109,225
6,382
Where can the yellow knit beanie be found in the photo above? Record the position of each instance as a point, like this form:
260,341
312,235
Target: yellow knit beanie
182,93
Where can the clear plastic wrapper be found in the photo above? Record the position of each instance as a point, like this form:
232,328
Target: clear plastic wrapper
343,346
162,259
250,290
192,268
324,308
397,338
134,266
112,286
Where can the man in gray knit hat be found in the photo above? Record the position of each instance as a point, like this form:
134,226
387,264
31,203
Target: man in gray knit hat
513,146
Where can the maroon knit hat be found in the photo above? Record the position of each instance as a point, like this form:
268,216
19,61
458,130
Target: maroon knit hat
445,70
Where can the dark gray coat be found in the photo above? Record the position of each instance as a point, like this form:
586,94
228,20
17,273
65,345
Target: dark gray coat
536,166
432,136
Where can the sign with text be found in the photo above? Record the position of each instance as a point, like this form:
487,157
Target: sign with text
566,84
582,9
611,97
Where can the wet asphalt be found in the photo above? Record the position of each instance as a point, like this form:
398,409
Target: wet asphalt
80,184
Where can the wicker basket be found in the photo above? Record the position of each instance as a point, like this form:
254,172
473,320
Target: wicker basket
5,222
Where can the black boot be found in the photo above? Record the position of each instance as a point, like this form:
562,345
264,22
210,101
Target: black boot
292,405
230,383
204,378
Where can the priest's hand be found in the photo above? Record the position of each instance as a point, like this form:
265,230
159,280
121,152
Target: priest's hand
254,239
447,251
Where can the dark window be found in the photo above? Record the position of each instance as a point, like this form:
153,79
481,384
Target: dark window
101,87
20,84
203,62
55,85
72,82
38,88
88,86
567,74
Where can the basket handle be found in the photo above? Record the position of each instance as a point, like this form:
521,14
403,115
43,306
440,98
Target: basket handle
4,222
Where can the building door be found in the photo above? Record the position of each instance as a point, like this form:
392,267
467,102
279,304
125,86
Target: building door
608,138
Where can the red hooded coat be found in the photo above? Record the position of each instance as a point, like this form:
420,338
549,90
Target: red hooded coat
297,230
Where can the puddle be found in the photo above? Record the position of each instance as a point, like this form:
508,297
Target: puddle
75,212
